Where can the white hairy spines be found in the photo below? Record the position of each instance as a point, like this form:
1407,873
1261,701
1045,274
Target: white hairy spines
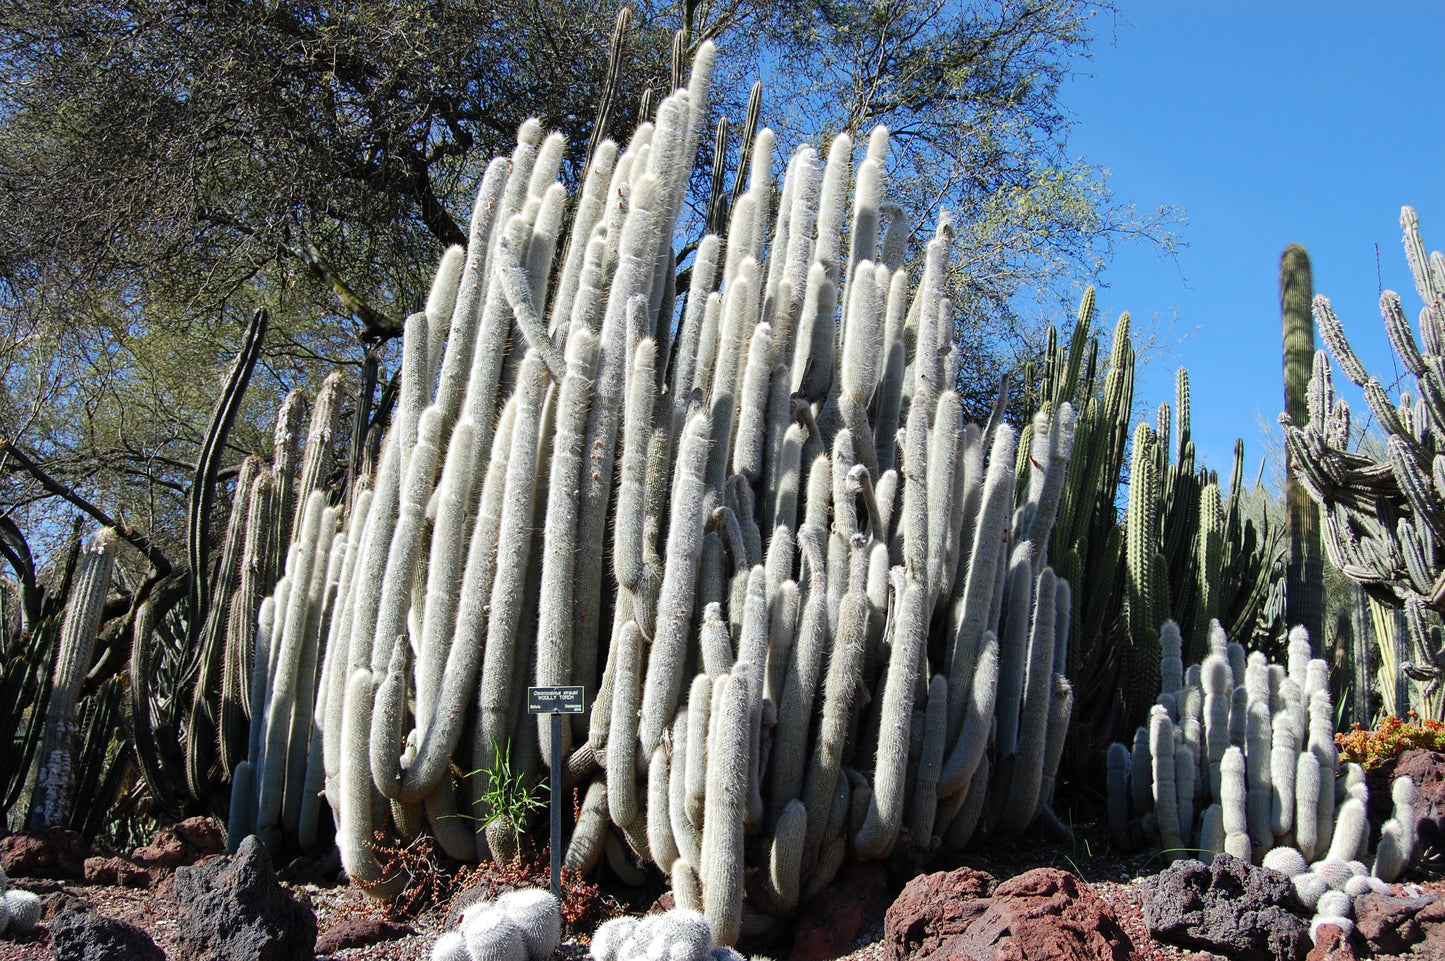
25,909
1233,799
1397,836
539,916
1351,831
1284,752
1287,861
677,935
493,936
1335,903
1308,888
1307,790
451,946
663,684
1171,660
607,941
1258,760
1161,751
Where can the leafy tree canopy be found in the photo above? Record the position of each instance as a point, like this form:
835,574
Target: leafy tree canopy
165,165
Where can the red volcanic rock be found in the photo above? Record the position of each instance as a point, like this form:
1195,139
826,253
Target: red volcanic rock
186,843
47,853
1047,914
932,909
1041,915
832,922
116,871
1332,944
360,933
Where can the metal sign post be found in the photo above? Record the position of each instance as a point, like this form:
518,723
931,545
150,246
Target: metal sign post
555,701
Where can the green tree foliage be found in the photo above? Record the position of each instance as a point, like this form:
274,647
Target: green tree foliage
166,167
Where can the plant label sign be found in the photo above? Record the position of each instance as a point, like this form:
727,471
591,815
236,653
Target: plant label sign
554,700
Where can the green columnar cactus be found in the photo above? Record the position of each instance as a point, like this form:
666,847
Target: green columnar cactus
1142,560
1305,587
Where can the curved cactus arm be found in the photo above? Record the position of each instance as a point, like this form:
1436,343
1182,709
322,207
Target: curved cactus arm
388,720
440,736
968,751
287,652
686,838
406,540
923,810
971,612
622,738
845,666
1061,707
1027,786
750,442
444,569
203,488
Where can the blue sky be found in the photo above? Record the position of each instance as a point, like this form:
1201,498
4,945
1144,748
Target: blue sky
1270,123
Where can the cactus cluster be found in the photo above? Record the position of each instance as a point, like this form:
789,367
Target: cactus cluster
1330,886
676,935
1182,548
1239,756
1382,518
827,590
522,925
20,910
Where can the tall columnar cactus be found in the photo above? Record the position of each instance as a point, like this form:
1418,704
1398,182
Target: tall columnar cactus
55,780
1381,519
819,572
1305,587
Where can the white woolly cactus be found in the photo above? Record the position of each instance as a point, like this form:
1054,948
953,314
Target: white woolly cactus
676,935
19,910
1269,783
522,925
757,532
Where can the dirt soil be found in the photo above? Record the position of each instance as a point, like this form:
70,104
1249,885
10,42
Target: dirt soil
1114,878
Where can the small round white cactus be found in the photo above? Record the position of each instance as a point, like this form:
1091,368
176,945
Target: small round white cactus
539,915
610,936
24,910
494,936
1287,861
450,947
1308,887
1335,903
